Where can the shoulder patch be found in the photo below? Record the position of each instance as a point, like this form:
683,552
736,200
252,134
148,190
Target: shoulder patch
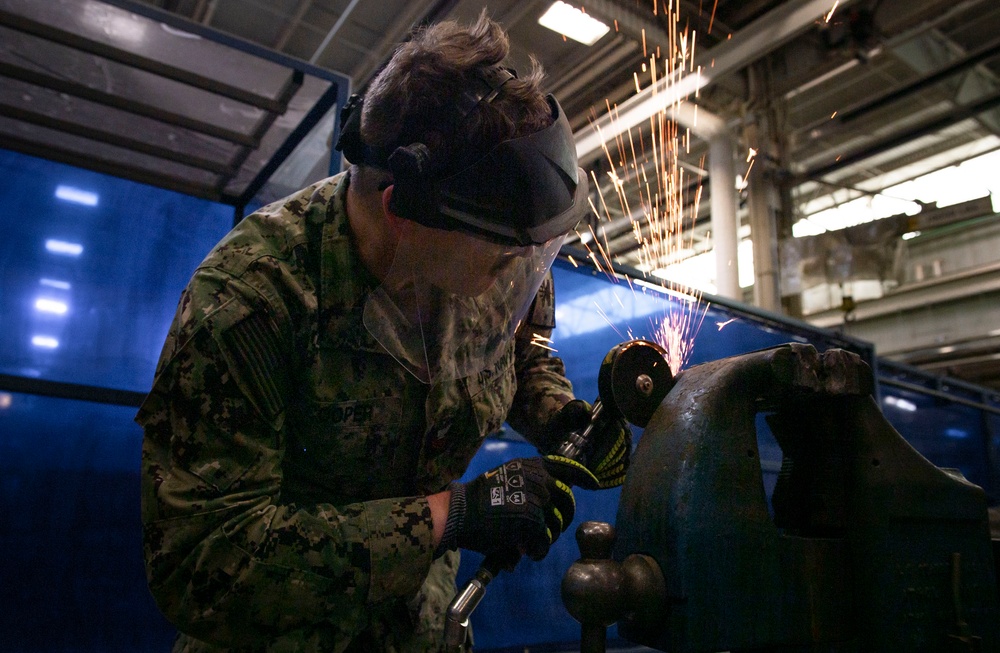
542,313
254,352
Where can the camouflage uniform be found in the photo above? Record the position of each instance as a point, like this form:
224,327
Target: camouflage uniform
287,457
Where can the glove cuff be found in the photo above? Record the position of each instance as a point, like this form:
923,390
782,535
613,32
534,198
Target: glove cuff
455,522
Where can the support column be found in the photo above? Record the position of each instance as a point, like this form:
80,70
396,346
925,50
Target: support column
722,174
761,198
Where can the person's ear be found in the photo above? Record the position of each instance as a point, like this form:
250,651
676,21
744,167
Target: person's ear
394,221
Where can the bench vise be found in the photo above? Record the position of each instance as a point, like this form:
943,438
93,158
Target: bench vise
865,546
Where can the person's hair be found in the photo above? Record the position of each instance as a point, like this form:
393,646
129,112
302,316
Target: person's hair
414,98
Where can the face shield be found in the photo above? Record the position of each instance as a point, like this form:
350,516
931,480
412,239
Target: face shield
473,249
451,301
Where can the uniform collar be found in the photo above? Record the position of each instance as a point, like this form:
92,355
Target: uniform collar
345,282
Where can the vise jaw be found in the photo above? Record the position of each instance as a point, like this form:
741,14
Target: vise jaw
866,546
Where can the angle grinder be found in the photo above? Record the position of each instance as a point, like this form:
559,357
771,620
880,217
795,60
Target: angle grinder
633,380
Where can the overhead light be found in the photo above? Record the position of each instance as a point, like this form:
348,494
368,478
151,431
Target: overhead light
76,195
900,403
62,247
45,305
574,23
44,342
55,283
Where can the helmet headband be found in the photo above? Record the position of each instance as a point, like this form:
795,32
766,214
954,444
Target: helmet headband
526,190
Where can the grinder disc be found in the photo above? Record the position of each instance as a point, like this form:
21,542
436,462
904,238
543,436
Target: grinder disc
634,378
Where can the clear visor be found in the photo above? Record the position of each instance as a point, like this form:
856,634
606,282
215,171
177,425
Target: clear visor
450,302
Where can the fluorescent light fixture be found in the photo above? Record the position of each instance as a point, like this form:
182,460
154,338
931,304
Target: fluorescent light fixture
76,195
62,247
55,283
45,305
44,342
6,400
670,99
901,404
570,21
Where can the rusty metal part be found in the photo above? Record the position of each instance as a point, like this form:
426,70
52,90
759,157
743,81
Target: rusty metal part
870,546
599,591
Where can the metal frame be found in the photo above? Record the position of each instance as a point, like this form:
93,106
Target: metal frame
223,170
335,95
25,385
77,42
983,398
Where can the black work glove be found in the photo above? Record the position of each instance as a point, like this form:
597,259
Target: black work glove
521,506
608,448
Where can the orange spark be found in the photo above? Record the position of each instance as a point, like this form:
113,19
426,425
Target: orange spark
832,9
651,176
538,340
711,19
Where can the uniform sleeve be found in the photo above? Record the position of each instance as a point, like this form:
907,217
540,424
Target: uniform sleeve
542,386
227,560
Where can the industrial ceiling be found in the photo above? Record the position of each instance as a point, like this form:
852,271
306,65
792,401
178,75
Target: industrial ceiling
821,95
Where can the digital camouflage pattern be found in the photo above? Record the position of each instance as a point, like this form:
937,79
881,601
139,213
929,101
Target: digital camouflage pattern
286,456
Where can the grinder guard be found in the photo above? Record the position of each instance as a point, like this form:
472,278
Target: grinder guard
871,546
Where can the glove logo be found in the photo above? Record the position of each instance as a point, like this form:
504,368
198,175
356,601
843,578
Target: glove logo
496,496
517,498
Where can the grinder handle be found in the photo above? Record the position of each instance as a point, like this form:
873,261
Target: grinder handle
466,600
575,443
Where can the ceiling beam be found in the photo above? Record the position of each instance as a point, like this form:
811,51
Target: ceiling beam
929,126
826,126
293,23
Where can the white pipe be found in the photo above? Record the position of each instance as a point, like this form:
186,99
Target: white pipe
333,31
722,172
